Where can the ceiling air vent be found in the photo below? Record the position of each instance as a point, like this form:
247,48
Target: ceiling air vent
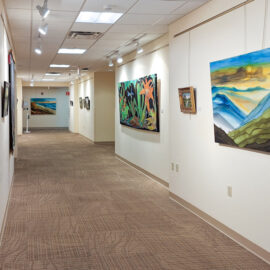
84,35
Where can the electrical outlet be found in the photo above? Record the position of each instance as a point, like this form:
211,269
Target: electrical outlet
177,167
229,191
172,166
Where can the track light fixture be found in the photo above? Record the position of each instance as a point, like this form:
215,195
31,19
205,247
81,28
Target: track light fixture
119,58
139,48
110,63
43,29
38,49
43,11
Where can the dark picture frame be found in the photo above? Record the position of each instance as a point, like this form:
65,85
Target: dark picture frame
187,100
71,103
5,99
81,102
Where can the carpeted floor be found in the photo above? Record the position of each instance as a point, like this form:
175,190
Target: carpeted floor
75,206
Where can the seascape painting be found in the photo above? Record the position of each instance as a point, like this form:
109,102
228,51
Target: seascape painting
41,106
241,100
138,103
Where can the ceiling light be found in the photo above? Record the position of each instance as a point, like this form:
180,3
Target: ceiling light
48,80
43,11
71,51
119,60
32,83
38,51
110,63
59,66
98,17
139,49
43,30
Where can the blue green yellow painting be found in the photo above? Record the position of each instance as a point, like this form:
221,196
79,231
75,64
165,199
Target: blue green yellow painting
241,100
41,106
138,103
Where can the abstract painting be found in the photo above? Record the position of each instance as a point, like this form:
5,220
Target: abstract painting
241,100
187,99
5,100
87,103
138,103
41,106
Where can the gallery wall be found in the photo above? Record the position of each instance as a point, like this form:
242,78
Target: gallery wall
60,120
146,149
207,169
73,108
6,159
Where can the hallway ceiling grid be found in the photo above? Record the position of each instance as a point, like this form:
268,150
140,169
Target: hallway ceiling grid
143,19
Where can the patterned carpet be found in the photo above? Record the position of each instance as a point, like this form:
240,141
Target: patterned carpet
75,206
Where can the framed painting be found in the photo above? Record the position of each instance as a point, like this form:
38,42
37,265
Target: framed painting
241,100
71,103
12,101
187,100
5,99
81,103
138,103
42,106
87,103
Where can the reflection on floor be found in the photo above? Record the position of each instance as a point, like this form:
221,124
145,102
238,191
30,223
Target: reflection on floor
75,206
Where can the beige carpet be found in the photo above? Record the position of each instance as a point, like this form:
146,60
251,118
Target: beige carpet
75,206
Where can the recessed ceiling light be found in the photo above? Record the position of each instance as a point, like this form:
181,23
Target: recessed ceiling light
59,66
98,17
71,51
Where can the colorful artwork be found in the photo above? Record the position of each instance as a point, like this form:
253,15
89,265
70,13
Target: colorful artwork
138,103
241,100
187,100
43,106
5,100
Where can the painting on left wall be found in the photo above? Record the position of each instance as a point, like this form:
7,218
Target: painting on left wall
5,100
41,106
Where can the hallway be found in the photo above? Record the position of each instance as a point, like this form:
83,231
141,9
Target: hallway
75,206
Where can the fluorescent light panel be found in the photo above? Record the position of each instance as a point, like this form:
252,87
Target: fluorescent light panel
59,66
48,80
98,17
52,74
71,51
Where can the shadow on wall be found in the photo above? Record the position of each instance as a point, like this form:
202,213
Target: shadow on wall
141,135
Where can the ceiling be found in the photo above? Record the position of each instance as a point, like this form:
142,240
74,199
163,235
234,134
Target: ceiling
144,19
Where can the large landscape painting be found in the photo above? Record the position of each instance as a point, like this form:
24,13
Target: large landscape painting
43,106
138,103
241,100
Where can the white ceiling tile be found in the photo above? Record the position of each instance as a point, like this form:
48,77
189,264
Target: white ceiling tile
125,28
156,6
116,5
139,19
91,27
117,36
64,5
22,4
189,6
78,43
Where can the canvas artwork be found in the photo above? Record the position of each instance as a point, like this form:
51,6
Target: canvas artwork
41,106
71,102
187,100
241,100
81,103
87,103
138,103
5,100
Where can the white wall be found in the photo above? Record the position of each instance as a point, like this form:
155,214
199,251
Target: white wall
6,159
148,150
60,120
86,117
19,107
207,168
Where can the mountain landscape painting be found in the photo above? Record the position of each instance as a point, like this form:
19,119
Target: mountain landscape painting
241,100
43,106
138,103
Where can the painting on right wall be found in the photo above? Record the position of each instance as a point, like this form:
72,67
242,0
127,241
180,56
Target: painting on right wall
241,100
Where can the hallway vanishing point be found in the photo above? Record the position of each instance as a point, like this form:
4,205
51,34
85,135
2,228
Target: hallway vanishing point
75,206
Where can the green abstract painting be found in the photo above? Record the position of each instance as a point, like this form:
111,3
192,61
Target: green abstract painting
138,103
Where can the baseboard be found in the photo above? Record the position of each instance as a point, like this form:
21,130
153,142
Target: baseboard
242,241
104,143
6,210
47,128
159,180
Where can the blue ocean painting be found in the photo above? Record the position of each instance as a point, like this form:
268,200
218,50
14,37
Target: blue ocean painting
41,106
241,100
